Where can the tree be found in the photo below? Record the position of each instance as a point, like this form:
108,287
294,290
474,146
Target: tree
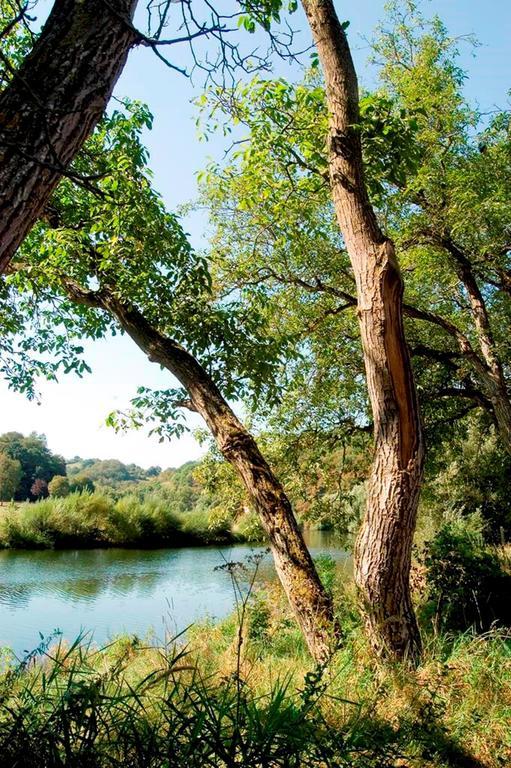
10,476
52,103
421,145
163,301
304,282
452,214
36,460
383,553
81,484
56,89
39,488
58,486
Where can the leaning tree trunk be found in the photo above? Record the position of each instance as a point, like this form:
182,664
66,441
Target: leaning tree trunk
52,104
383,550
295,568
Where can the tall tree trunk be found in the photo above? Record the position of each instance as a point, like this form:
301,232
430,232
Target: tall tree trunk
383,550
295,568
52,104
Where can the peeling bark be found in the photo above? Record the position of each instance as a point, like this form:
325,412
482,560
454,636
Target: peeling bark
383,550
53,103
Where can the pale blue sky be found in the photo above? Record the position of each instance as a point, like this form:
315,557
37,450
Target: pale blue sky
72,413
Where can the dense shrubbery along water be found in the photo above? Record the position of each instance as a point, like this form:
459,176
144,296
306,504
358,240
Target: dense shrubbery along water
92,520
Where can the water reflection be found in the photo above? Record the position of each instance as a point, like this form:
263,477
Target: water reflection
120,590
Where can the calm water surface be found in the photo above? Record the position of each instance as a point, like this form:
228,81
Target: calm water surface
111,591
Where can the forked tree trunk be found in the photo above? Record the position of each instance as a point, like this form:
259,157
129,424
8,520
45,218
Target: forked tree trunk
383,550
52,104
295,568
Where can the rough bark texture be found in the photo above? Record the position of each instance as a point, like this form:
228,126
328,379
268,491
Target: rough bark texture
383,551
295,568
53,103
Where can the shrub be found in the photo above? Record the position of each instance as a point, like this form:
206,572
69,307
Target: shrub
83,519
194,523
466,585
474,478
58,487
219,522
259,617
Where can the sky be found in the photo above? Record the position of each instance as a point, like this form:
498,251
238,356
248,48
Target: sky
72,413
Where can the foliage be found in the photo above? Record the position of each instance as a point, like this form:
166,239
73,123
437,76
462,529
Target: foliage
184,487
59,486
36,460
471,474
10,476
81,483
466,585
249,527
81,519
107,472
39,488
326,568
430,162
92,237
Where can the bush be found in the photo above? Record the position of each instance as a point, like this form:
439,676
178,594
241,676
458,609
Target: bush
259,617
58,487
474,477
95,519
466,585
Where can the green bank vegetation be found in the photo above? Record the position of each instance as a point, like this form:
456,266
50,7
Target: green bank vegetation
101,503
245,692
96,520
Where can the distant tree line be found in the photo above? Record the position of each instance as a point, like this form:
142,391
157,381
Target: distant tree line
27,466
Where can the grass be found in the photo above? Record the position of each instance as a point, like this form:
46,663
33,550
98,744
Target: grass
95,520
245,693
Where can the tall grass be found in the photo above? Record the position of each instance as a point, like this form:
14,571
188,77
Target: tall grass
85,520
245,693
127,705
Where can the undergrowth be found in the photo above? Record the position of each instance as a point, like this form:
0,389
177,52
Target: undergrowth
245,693
94,519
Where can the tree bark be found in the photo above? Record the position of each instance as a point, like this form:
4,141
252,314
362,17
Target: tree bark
52,104
311,604
383,550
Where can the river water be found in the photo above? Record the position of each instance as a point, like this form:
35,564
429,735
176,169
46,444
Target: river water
111,591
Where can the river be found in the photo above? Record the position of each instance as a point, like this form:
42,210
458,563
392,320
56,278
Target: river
107,592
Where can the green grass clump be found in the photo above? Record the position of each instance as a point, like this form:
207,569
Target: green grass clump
128,705
94,519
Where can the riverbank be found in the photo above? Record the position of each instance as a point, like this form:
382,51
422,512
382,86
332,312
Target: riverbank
119,590
85,520
222,703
